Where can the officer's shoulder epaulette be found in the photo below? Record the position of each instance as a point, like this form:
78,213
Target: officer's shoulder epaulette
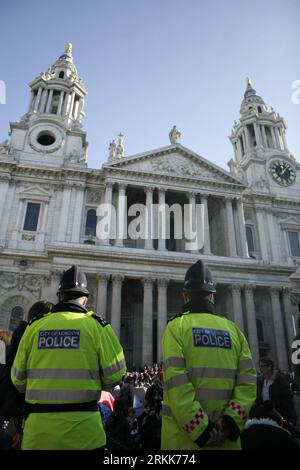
38,317
100,320
178,315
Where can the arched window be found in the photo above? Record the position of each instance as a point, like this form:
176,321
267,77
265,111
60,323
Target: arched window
17,315
259,109
61,74
260,330
91,222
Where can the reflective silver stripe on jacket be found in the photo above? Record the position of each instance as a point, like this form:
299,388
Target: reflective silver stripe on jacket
245,364
19,374
242,379
174,362
213,394
114,368
62,395
211,373
176,381
84,374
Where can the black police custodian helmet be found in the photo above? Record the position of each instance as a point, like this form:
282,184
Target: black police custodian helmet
198,278
73,280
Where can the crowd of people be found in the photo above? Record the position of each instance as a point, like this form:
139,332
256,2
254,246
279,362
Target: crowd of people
65,365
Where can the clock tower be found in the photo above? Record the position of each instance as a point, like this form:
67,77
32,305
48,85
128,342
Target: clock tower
50,133
261,155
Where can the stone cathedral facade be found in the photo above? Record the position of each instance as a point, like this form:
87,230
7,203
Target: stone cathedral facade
48,205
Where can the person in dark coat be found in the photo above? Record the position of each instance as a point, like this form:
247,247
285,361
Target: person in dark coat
273,386
266,431
11,401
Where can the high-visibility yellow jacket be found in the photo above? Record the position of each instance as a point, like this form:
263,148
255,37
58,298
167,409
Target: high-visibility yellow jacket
66,357
208,372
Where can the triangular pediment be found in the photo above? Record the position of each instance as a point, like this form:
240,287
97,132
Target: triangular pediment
291,220
35,192
177,161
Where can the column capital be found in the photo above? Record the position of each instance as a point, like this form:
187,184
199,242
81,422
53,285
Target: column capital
236,288
162,282
109,184
117,280
203,196
192,194
122,186
274,291
162,190
249,288
149,189
228,198
148,282
102,277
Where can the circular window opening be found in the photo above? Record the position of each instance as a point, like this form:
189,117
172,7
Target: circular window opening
46,138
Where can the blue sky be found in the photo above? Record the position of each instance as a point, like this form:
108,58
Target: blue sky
148,65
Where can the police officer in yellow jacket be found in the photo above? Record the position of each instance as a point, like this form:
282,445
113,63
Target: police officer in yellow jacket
209,378
63,362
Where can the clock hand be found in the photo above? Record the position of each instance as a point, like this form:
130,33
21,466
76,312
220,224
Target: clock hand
283,171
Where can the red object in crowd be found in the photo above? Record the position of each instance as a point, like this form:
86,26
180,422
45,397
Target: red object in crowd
107,399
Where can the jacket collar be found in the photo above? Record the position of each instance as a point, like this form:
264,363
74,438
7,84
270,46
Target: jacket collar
69,306
199,306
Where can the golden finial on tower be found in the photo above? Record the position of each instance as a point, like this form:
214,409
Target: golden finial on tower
249,81
69,48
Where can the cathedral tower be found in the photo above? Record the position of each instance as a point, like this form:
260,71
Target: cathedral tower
261,154
50,133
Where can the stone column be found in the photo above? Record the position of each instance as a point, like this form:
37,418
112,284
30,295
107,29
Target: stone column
55,280
115,318
71,104
273,137
251,322
37,100
272,234
122,216
43,101
4,186
281,347
288,314
230,227
31,101
149,219
108,200
66,103
264,136
192,222
247,137
276,133
261,233
102,294
162,219
257,134
239,149
206,247
147,352
75,237
242,228
61,98
64,214
237,305
49,101
162,313
284,139
244,141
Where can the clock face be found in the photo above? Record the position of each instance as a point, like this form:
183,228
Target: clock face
282,172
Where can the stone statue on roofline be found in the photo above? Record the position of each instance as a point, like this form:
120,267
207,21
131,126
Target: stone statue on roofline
174,135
